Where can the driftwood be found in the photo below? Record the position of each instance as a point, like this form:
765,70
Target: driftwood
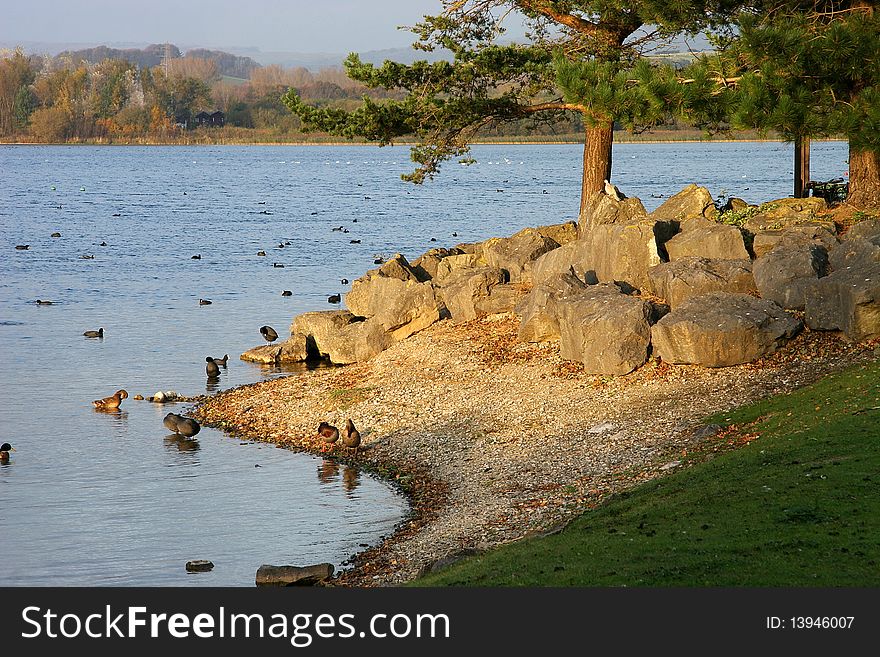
293,575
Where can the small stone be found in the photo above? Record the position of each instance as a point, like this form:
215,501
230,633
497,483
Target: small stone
199,566
670,465
138,397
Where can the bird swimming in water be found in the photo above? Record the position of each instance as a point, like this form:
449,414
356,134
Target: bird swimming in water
95,334
268,333
277,264
5,448
22,247
43,302
355,241
287,293
261,253
179,424
328,433
222,361
351,437
334,298
205,302
197,256
112,402
212,368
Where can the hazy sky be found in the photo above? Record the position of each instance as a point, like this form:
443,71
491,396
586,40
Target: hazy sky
271,25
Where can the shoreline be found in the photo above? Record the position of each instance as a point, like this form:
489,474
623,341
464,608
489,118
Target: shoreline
494,440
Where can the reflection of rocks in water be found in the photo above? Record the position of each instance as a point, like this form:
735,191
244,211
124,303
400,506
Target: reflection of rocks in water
328,471
351,478
213,384
182,443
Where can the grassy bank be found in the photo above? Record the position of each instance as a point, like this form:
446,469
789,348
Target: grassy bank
797,503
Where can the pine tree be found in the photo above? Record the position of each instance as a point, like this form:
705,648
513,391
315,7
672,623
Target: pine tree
591,50
813,70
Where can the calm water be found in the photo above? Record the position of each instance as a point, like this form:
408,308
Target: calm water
99,499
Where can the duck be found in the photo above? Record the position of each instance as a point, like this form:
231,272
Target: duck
278,264
287,293
268,333
344,281
205,302
212,368
197,256
261,253
5,448
328,433
43,302
22,247
351,437
334,298
355,241
222,361
95,334
179,424
111,402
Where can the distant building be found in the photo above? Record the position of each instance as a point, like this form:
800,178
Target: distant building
214,120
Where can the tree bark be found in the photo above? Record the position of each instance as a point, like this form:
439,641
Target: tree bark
864,179
801,167
597,160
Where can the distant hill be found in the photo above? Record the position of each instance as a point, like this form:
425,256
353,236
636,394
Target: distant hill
227,63
317,61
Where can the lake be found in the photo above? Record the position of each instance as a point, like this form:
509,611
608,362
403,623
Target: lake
97,499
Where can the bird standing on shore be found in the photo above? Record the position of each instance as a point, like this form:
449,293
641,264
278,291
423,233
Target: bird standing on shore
212,368
112,402
614,192
351,437
181,425
328,433
268,333
95,334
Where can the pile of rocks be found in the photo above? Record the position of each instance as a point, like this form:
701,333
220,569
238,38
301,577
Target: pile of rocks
623,283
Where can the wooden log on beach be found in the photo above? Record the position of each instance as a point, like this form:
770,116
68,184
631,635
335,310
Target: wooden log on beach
293,575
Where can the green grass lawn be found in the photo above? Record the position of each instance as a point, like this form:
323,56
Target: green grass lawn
798,505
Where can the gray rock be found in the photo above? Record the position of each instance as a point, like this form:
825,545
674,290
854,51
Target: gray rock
690,202
575,255
342,336
465,290
268,575
502,298
456,263
717,241
848,300
719,329
562,233
606,330
538,309
868,229
293,350
691,276
513,254
766,240
854,253
604,209
622,252
786,212
402,307
786,274
425,266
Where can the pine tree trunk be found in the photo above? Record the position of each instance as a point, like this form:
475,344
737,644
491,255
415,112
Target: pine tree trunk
801,167
864,179
597,160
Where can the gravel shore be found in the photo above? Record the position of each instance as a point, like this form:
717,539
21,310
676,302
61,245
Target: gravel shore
493,439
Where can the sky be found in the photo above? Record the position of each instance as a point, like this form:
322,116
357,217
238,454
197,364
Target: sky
307,26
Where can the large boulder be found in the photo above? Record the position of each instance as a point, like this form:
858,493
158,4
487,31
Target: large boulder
786,212
574,255
513,254
538,309
786,274
848,300
719,329
691,276
562,233
869,229
502,298
464,292
854,253
397,299
690,202
293,350
717,241
341,336
454,264
606,330
765,241
604,209
622,252
426,265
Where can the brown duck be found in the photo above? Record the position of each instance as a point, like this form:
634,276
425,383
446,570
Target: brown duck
111,402
351,437
329,433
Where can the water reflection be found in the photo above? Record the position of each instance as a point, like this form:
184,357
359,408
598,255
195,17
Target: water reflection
212,385
119,417
351,479
182,443
328,471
